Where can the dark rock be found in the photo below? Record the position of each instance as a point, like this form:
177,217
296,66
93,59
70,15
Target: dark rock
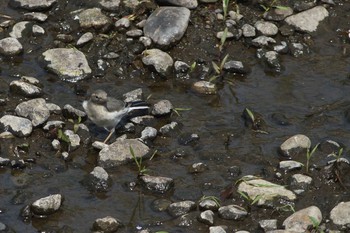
168,129
270,58
235,67
69,112
297,49
197,168
98,180
188,138
160,205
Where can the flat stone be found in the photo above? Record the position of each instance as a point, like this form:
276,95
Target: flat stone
217,229
19,28
340,214
267,191
148,133
166,25
248,30
93,18
300,220
118,153
33,4
35,110
308,21
18,126
38,16
10,46
134,95
85,38
290,165
296,142
37,30
47,205
68,63
235,67
263,41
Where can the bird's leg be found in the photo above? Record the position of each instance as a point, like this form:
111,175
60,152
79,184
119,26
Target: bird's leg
109,135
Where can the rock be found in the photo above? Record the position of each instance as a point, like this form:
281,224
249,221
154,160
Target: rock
123,22
4,162
146,41
297,49
93,17
248,30
142,119
37,30
220,34
208,204
190,4
188,138
340,214
303,5
35,5
295,144
10,46
107,224
308,21
68,63
111,5
134,33
262,41
181,208
159,60
267,192
197,168
181,67
301,182
266,28
46,205
300,220
204,87
56,145
167,129
98,180
207,217
19,29
148,133
232,212
217,229
234,15
162,107
30,80
160,205
276,14
157,183
135,95
270,58
35,110
235,67
53,124
53,108
20,127
69,112
74,139
119,153
268,224
85,38
166,25
290,165
38,16
282,48
25,89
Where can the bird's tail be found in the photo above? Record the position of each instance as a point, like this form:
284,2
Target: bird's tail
138,105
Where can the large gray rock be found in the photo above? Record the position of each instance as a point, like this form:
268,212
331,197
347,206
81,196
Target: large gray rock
266,191
308,20
93,18
167,25
190,4
47,205
300,220
340,214
18,126
35,109
69,64
118,153
161,61
10,46
33,4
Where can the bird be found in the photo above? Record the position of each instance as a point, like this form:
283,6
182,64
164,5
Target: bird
106,111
